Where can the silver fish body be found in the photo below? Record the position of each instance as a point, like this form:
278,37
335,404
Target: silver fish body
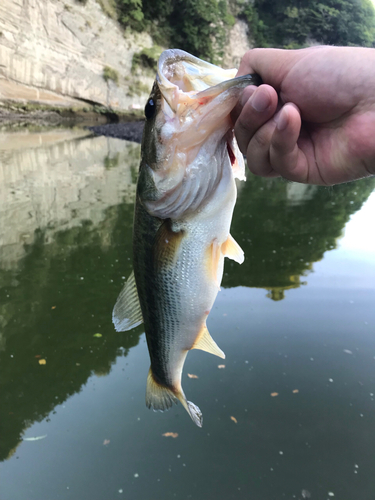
185,198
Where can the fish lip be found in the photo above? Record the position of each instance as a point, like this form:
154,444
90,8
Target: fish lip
238,81
170,91
176,55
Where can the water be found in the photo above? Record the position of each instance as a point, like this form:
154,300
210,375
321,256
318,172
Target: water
289,415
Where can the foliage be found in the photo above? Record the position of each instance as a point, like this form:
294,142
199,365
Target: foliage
110,74
297,23
147,58
197,26
131,14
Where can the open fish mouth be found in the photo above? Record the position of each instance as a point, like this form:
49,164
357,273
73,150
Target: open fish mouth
195,99
181,77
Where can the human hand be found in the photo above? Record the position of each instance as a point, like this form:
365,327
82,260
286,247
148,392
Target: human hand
324,132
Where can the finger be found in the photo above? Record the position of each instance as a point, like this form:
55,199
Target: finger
258,151
271,64
286,158
256,111
246,94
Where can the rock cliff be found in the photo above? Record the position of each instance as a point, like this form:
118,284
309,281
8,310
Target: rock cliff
55,52
71,54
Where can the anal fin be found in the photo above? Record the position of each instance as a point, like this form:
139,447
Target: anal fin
127,312
230,248
206,343
166,245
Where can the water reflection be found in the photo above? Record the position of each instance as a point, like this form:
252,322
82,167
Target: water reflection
66,211
285,227
66,206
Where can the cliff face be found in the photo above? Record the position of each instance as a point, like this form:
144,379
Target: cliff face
54,52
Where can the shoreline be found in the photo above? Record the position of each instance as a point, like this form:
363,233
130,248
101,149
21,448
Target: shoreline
15,115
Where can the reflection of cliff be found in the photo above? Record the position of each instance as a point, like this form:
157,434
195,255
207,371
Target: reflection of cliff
58,283
55,180
284,228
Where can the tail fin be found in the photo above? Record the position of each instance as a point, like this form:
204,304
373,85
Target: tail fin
192,409
159,397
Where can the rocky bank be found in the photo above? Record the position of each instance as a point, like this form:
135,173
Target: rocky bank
69,54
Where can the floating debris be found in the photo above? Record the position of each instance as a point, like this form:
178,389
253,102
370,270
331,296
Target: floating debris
97,335
221,366
42,361
234,419
106,441
191,375
305,494
274,394
53,307
295,391
170,434
37,438
136,475
347,351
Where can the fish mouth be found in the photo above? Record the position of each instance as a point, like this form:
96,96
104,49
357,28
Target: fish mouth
182,77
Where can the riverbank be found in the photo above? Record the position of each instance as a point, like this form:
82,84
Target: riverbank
20,115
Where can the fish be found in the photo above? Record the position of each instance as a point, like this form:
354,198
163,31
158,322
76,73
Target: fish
185,197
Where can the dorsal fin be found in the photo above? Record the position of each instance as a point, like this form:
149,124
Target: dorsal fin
206,343
127,312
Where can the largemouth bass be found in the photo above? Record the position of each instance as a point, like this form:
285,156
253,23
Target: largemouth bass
185,198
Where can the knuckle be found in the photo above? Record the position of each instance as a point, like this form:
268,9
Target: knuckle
260,140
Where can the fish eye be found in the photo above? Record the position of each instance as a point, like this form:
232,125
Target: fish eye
150,109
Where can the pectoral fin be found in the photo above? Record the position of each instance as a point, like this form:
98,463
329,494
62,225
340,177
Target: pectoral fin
230,248
127,312
206,343
215,254
166,245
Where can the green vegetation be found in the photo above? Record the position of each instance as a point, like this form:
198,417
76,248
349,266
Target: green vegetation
110,74
138,88
198,26
147,58
201,26
298,23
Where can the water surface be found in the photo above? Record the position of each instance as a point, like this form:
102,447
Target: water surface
288,414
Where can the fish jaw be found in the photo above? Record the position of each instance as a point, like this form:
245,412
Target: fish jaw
195,100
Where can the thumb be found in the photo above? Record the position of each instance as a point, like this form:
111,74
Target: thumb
271,64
